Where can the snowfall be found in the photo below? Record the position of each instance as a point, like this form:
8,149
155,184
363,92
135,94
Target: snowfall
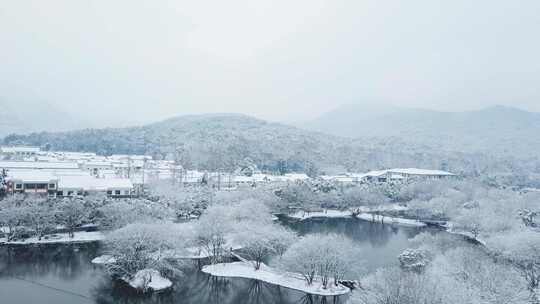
269,275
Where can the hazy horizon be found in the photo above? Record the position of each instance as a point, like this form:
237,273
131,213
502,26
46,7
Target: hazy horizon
123,63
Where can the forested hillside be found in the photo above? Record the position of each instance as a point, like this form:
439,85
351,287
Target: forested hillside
225,141
497,130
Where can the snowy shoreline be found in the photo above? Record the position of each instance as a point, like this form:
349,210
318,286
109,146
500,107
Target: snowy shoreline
269,275
58,238
303,215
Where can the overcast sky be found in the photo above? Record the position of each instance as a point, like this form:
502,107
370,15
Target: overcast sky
279,60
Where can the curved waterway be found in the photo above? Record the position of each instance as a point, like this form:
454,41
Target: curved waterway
63,273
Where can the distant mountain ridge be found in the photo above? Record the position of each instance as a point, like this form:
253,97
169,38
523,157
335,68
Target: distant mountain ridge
226,141
497,130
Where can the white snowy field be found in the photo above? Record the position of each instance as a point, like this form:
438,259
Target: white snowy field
303,215
78,237
269,275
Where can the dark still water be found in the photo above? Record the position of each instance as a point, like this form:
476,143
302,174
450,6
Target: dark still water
380,244
63,274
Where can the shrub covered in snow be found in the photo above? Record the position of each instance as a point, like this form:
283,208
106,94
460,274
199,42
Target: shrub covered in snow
328,258
140,246
259,240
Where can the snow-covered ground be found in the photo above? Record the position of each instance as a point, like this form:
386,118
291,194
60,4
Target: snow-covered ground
450,229
303,215
149,279
273,276
199,253
79,237
104,259
390,220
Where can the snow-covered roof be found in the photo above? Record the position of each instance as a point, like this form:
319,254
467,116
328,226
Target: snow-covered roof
98,164
340,178
243,179
376,173
37,165
76,154
19,149
297,175
46,158
416,171
260,177
344,179
397,173
32,176
90,183
129,156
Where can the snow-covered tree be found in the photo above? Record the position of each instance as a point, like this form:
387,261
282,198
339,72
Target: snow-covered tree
72,213
413,260
141,246
466,273
211,231
3,175
119,213
522,249
528,217
249,210
327,257
469,221
12,214
394,286
261,240
39,215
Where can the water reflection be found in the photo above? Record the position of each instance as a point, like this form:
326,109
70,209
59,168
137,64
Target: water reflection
63,274
381,243
65,262
201,288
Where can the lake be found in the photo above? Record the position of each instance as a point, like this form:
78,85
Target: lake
63,274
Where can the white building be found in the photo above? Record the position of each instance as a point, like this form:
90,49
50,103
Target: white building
32,182
83,185
33,165
96,167
19,151
398,174
65,183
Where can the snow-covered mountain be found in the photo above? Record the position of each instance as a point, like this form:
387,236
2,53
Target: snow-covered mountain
496,130
224,141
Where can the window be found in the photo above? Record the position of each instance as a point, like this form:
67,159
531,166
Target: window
117,192
52,186
109,192
18,186
60,193
70,193
41,186
29,186
79,193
